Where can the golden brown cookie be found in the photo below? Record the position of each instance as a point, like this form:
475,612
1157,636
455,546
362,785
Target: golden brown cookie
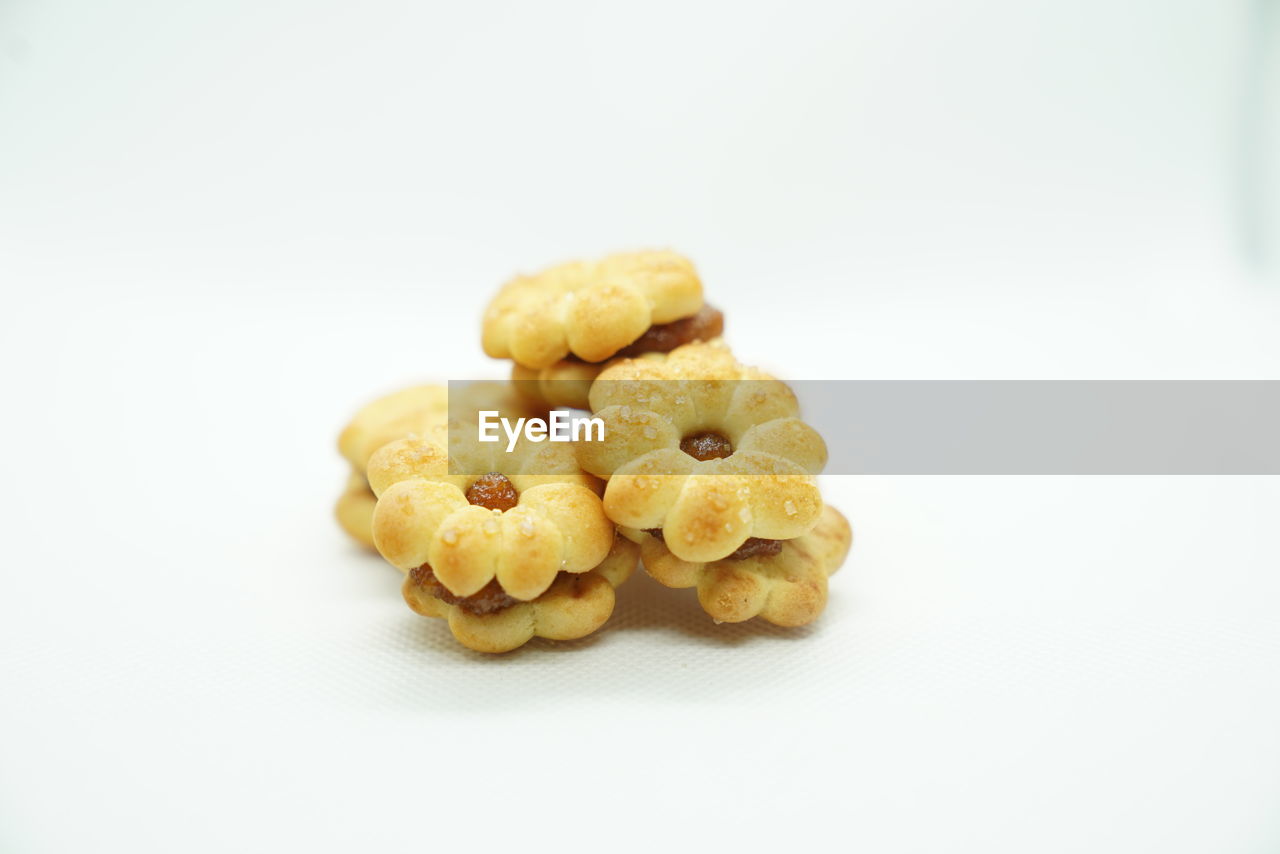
710,451
354,510
416,411
590,310
409,411
467,399
788,588
567,383
519,517
574,606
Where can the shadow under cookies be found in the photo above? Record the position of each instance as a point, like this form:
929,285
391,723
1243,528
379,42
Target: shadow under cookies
644,605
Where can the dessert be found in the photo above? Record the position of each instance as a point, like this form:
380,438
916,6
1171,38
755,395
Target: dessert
513,520
589,309
560,325
490,620
516,518
786,587
420,409
354,510
708,451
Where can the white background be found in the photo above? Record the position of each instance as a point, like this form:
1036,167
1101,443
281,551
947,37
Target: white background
223,226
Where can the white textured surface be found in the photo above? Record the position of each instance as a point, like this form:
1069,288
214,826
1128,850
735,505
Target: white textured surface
192,654
222,229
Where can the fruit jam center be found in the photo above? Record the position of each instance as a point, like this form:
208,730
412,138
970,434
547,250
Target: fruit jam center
493,492
706,446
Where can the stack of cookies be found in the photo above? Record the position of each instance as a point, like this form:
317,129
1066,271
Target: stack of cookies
701,468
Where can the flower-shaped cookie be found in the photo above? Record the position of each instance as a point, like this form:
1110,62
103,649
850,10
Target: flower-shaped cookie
788,588
421,409
707,450
591,310
518,517
573,606
354,510
567,383
414,410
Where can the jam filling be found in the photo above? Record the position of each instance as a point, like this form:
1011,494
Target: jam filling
493,491
706,446
752,547
706,324
486,600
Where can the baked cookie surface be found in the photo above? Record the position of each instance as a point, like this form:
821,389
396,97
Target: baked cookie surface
517,517
589,309
707,450
788,588
354,510
421,411
417,409
567,383
573,606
